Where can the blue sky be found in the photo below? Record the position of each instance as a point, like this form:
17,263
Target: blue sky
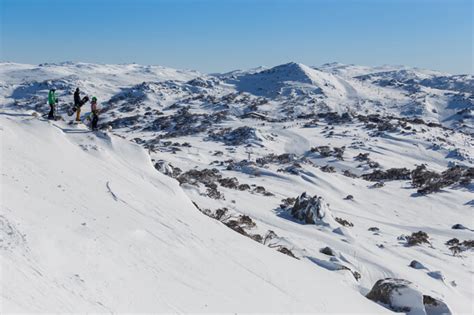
221,35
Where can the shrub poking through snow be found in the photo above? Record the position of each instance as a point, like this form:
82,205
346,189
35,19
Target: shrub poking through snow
456,246
242,224
285,203
429,181
417,238
237,136
208,177
284,158
229,182
469,244
453,241
390,174
344,222
455,250
326,151
262,190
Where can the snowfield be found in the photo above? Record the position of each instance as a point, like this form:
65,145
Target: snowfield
88,225
331,189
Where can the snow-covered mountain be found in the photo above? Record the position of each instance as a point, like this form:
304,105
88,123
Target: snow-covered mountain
357,174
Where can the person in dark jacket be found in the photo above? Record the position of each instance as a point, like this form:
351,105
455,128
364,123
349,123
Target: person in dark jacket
94,113
77,104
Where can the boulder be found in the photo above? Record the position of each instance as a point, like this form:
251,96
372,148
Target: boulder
327,251
417,265
458,226
312,210
434,306
401,295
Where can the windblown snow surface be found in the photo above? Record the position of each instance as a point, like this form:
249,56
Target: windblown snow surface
191,201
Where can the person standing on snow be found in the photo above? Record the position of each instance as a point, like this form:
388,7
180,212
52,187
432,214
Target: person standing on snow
94,113
77,104
52,101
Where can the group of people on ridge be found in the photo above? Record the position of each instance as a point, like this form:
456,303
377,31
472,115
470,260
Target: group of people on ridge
78,103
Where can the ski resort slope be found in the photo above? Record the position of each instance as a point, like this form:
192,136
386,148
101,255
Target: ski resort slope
88,225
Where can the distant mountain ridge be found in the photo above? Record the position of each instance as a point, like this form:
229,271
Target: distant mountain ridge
400,90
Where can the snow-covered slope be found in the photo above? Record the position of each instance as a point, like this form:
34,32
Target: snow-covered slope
26,82
87,224
290,79
384,156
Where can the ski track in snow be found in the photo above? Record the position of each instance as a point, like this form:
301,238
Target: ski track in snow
111,192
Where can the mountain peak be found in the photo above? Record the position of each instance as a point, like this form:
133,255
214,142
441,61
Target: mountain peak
292,71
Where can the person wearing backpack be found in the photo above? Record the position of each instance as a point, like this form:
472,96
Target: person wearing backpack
94,113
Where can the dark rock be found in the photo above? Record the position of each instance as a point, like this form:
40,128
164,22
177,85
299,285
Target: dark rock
417,265
243,187
435,307
328,169
348,173
362,157
401,295
167,169
327,251
458,226
311,210
286,251
383,290
262,190
438,275
378,185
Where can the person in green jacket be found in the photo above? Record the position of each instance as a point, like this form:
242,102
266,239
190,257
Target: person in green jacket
52,101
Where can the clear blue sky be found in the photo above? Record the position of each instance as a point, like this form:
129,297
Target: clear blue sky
220,35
